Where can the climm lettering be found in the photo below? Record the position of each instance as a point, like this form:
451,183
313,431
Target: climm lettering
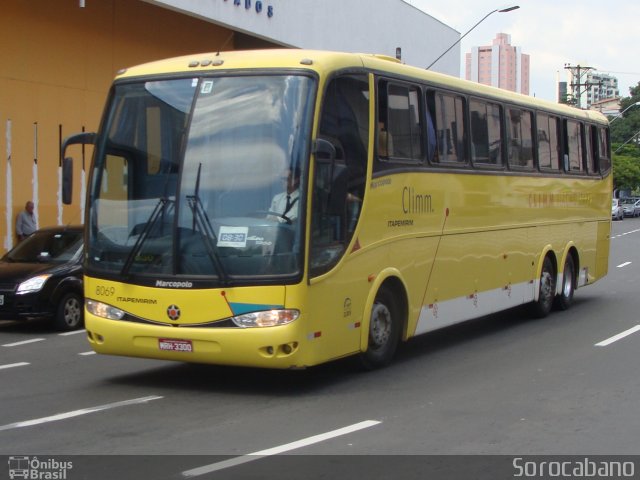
414,202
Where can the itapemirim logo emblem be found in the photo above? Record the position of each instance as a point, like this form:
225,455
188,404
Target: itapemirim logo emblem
173,312
22,466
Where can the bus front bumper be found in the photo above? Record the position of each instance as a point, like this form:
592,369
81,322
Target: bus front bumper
271,347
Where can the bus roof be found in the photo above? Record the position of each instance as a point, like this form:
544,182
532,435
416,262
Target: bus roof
324,62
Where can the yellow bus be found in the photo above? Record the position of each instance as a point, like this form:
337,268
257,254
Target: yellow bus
285,208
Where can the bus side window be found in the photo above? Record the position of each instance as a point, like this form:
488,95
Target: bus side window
520,139
589,154
604,157
592,149
486,137
548,142
339,183
449,125
400,122
573,146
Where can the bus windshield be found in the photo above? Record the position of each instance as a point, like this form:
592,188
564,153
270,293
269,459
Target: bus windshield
202,177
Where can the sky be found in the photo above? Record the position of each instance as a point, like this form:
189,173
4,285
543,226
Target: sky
602,34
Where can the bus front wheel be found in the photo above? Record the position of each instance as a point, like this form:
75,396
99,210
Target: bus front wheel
384,331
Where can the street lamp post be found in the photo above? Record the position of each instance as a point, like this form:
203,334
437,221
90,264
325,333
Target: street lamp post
502,10
632,138
622,112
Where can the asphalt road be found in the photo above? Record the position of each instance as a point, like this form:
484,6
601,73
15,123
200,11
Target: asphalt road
470,399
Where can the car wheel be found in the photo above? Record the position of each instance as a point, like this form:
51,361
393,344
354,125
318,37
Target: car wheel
70,314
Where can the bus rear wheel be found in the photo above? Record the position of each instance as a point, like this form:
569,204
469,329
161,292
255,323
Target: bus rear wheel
547,289
565,299
384,331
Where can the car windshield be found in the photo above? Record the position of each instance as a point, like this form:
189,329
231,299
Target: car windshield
47,246
191,178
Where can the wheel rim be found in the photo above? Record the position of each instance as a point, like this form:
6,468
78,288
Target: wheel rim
72,312
568,283
380,330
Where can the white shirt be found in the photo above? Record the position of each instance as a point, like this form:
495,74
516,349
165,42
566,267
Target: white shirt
279,204
26,224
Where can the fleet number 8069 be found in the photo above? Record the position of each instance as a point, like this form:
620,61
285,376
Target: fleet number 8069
103,291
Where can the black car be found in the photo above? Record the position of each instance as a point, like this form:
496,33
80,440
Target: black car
42,277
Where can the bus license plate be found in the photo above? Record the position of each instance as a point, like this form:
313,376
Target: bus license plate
173,345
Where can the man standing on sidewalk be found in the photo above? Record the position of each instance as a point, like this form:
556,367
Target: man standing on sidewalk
26,223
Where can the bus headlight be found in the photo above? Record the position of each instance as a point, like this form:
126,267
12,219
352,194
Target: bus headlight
103,310
34,284
267,318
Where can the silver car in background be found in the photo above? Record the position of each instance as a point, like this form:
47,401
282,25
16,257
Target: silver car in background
630,206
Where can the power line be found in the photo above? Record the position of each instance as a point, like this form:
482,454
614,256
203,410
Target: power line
577,73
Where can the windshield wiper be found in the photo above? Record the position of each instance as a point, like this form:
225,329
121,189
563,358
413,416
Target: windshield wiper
202,221
163,203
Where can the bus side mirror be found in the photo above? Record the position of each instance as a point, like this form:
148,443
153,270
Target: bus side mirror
67,180
84,138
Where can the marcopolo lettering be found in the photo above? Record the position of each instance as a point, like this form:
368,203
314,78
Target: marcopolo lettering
163,283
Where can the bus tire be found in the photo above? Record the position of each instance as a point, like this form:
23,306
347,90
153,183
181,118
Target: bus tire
565,298
547,289
384,331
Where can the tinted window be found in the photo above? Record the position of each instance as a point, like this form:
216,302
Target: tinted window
448,115
603,149
339,182
548,157
574,146
399,122
47,246
520,138
486,137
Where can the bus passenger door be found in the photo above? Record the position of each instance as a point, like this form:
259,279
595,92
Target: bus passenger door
338,195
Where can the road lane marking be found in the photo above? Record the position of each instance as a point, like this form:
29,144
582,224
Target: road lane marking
13,365
24,342
76,413
84,354
75,332
233,462
622,265
619,336
626,233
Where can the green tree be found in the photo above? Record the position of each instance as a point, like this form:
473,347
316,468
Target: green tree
626,172
624,127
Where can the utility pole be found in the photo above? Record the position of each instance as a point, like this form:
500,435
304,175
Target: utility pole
577,74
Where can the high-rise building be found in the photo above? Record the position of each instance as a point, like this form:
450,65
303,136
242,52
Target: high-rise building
588,87
601,86
501,65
